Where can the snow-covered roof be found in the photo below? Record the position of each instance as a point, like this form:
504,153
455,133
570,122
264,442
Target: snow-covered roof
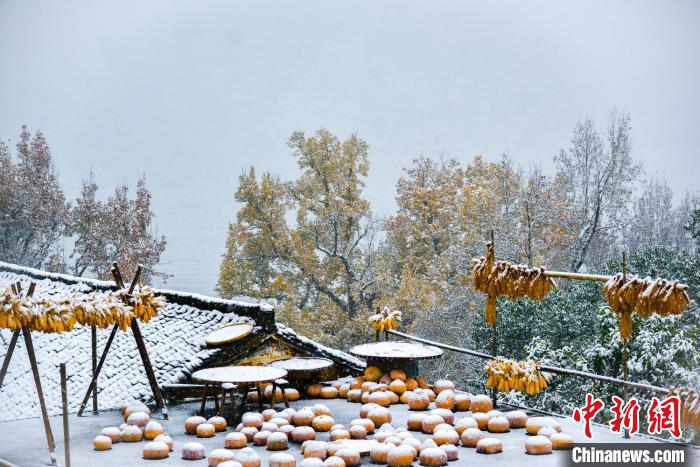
175,341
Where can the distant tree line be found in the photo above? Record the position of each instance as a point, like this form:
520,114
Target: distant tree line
37,222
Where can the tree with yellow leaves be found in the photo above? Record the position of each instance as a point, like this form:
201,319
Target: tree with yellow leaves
322,266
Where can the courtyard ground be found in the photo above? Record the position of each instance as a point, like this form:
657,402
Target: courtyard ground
22,442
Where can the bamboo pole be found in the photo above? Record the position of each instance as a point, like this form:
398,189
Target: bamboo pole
577,276
547,368
93,338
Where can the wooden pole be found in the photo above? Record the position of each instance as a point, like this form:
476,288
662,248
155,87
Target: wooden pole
494,332
8,355
40,393
66,428
103,357
625,345
93,335
577,276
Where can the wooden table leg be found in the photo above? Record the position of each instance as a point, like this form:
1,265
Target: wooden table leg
204,400
8,355
273,397
40,393
244,399
260,397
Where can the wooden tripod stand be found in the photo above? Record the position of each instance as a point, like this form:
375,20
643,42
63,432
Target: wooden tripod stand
26,332
140,344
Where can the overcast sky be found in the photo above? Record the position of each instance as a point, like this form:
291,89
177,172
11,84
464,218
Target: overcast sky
191,93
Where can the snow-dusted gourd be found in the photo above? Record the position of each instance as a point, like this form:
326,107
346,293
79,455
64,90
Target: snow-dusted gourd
193,452
322,423
260,438
152,430
538,445
471,436
354,395
397,373
411,384
394,440
358,432
489,446
413,442
218,422
430,422
445,414
317,449
205,430
463,402
191,424
481,419
267,393
132,434
419,401
397,386
365,398
547,431
282,460
339,434
277,442
445,400
138,419
379,416
451,451
516,418
253,419
311,462
253,397
283,415
443,426
443,385
338,426
379,453
113,433
366,408
217,456
561,441
230,464
494,413
314,391
304,417
481,403
393,397
329,393
279,421
287,430
385,379
267,426
292,394
156,450
432,457
379,398
415,421
268,414
535,424
249,432
400,456
464,423
235,440
498,425
446,437
365,422
373,373
247,457
165,439
404,398
350,456
102,443
303,433
334,461
321,409
136,406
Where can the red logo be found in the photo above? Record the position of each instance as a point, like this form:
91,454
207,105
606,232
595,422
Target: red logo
626,416
587,413
665,415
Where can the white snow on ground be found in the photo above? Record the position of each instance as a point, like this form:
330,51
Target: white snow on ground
175,341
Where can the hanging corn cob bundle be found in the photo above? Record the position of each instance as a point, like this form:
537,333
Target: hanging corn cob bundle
690,406
14,310
385,320
507,375
644,297
146,304
60,314
496,278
